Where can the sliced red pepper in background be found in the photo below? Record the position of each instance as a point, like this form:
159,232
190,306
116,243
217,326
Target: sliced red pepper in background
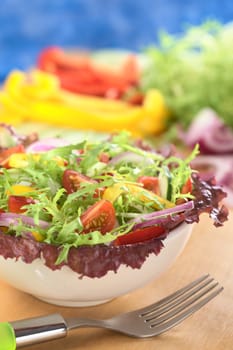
135,98
53,58
89,84
15,203
131,70
99,217
140,235
80,74
6,153
151,183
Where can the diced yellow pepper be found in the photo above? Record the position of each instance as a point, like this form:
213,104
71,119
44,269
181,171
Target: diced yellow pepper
20,160
19,190
37,236
60,161
113,192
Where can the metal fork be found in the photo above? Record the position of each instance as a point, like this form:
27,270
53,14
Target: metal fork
146,322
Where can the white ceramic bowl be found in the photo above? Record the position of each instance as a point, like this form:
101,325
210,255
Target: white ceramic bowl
65,287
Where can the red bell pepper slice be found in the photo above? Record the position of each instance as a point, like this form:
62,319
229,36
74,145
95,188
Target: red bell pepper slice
140,235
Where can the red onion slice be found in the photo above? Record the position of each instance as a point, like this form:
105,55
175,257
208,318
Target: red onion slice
161,216
161,221
46,145
7,219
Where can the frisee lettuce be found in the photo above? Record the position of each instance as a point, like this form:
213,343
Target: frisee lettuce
63,211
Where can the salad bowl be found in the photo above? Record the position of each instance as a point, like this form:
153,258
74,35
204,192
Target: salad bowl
83,223
67,288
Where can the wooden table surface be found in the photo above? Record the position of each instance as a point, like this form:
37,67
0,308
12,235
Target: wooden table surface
209,250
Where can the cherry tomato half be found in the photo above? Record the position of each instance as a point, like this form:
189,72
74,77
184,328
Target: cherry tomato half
99,217
72,179
187,188
104,157
140,235
150,183
15,203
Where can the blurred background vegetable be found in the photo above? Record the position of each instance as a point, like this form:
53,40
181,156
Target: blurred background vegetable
193,71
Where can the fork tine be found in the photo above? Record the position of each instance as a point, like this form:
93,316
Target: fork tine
179,300
158,329
171,297
181,305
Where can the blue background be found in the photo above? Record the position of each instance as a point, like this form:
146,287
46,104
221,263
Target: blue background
29,25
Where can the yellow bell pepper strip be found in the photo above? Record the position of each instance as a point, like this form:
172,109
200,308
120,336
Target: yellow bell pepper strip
35,84
38,97
93,103
10,108
113,192
46,86
58,113
10,118
156,112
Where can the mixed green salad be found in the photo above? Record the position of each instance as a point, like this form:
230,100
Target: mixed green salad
113,192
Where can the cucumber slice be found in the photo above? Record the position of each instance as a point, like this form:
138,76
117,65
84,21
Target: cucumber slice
165,185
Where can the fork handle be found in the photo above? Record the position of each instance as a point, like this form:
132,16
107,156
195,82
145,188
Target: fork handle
37,330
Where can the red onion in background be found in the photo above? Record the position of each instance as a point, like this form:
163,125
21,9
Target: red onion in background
210,132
